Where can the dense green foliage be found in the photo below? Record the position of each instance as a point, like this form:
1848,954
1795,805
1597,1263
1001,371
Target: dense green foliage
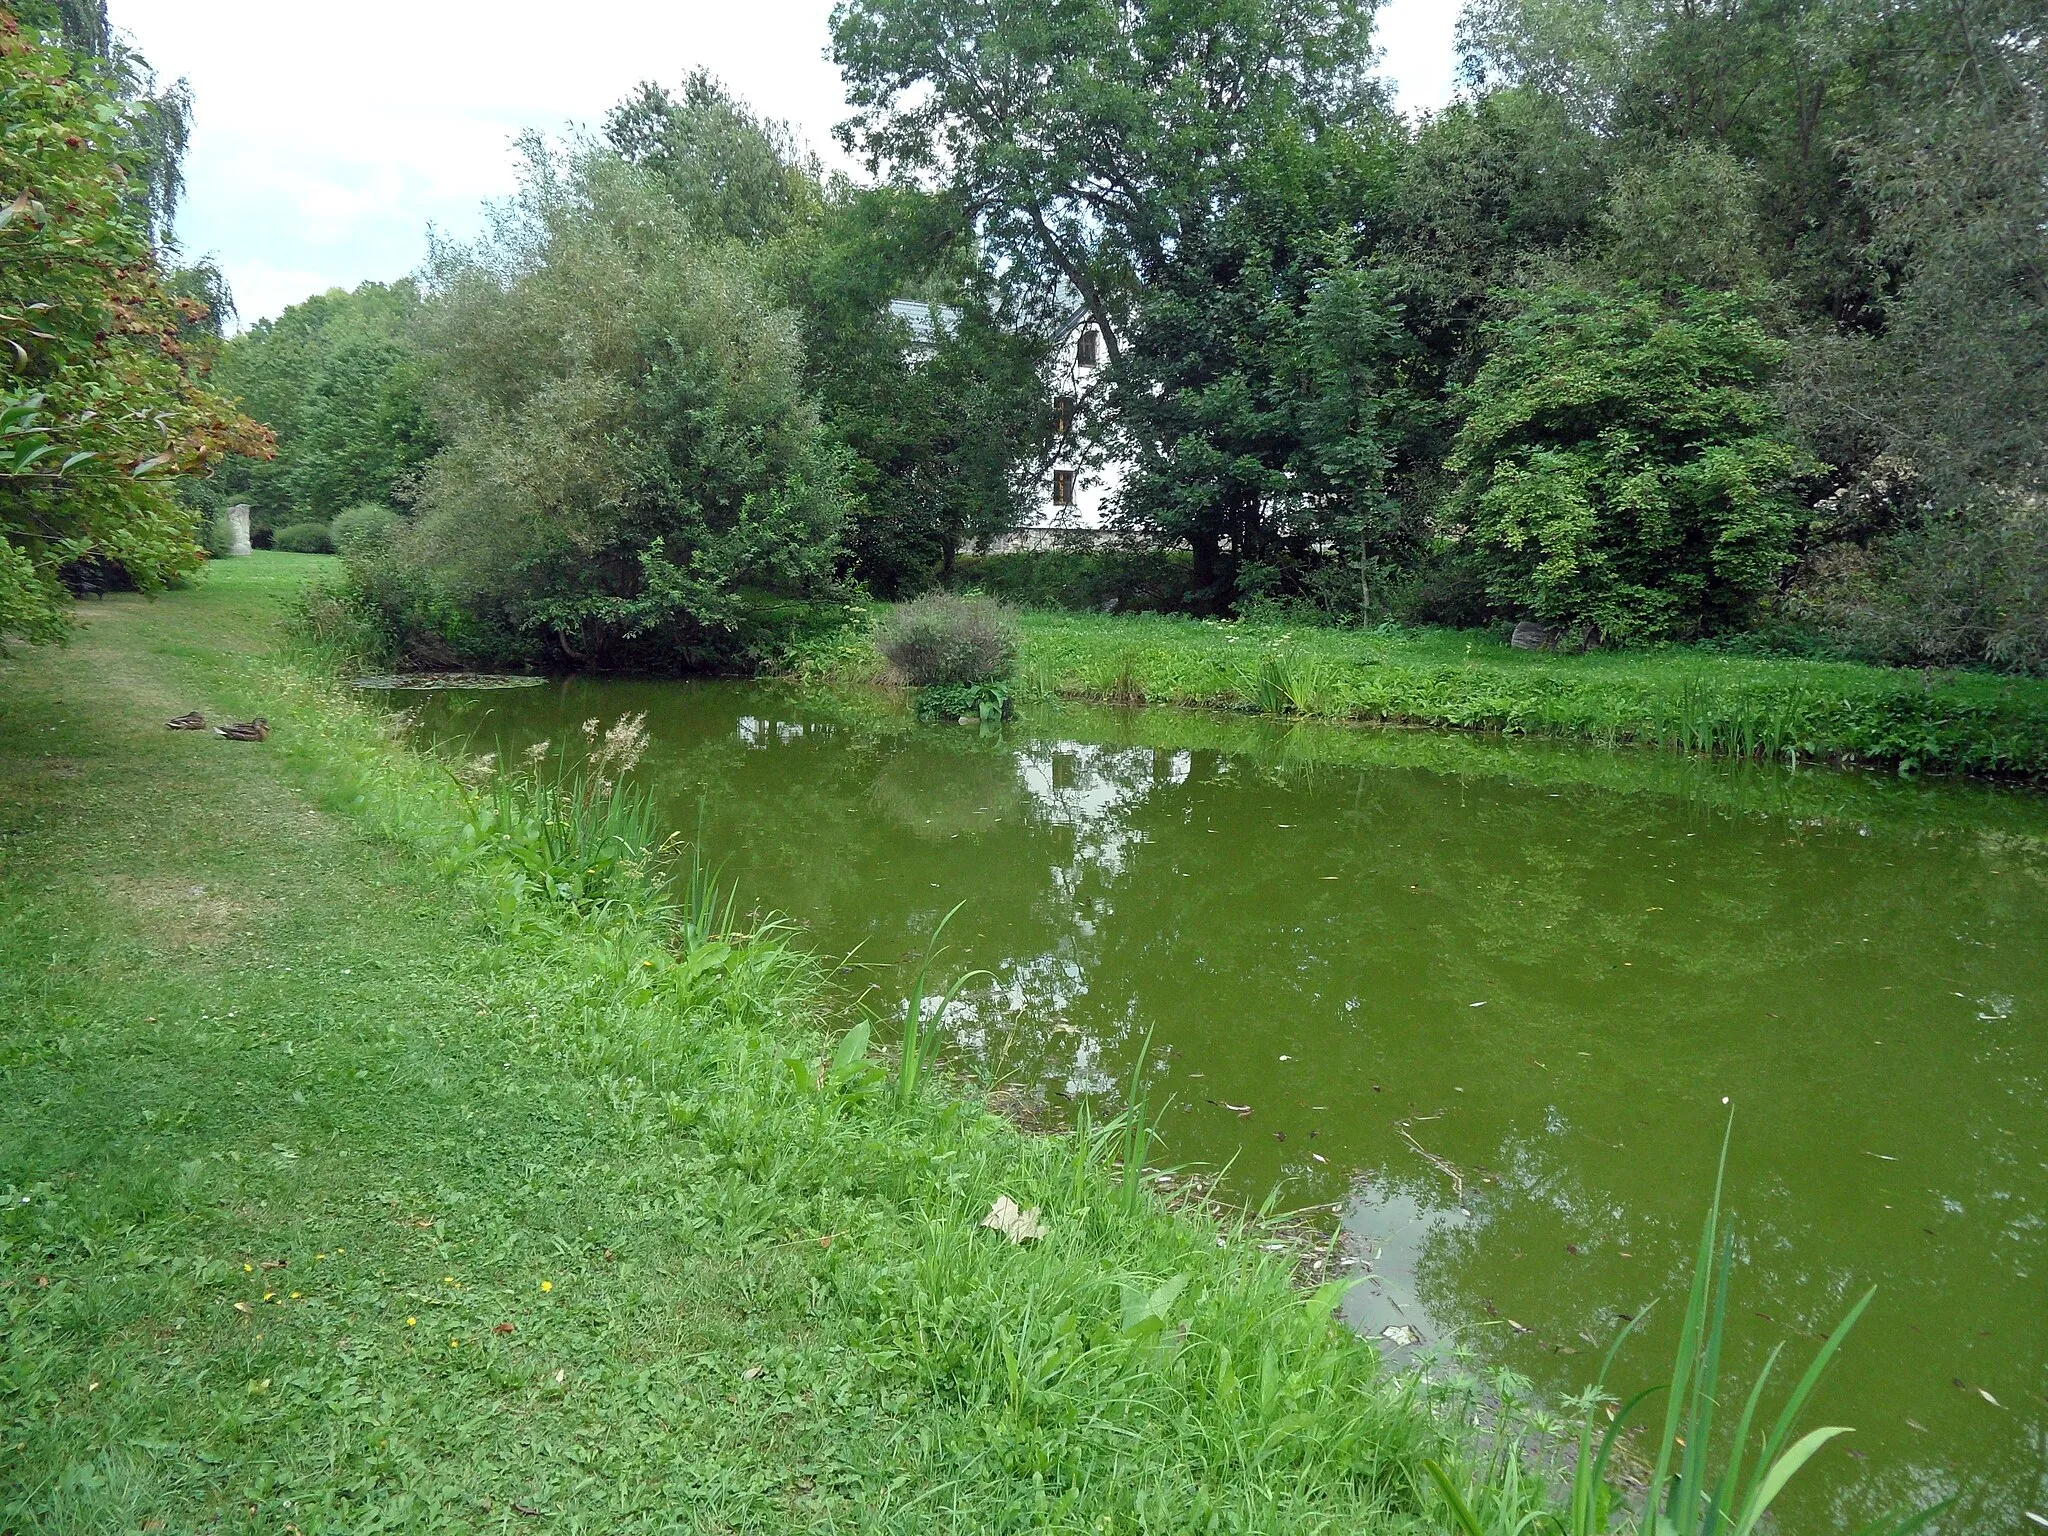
304,539
1315,312
103,403
340,379
363,529
634,472
1679,322
1624,464
1092,580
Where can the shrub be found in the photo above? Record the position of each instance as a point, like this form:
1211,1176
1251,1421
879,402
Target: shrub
362,528
946,638
646,496
1085,580
304,539
1966,588
1625,464
217,536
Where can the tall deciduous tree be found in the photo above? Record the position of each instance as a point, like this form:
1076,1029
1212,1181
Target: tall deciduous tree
1084,136
340,379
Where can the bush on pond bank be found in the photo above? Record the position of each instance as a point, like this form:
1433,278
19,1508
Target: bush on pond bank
947,639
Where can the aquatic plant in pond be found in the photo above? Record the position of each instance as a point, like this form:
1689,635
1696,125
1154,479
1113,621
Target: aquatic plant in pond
1682,1497
917,1024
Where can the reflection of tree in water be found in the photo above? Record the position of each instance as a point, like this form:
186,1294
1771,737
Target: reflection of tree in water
968,795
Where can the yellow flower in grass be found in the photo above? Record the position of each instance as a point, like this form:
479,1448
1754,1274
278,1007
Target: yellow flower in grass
547,1285
412,1322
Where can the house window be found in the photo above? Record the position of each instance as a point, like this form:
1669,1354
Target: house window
1084,347
1063,487
1063,416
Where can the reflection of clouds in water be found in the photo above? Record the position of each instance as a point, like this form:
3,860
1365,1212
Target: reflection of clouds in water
1027,1015
1393,1233
1094,789
1023,1017
757,731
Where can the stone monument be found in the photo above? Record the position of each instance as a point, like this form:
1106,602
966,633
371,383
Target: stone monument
238,530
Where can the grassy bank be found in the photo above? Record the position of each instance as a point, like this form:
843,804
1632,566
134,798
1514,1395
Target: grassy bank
353,1183
1675,698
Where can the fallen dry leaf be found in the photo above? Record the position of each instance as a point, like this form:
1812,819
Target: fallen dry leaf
1018,1226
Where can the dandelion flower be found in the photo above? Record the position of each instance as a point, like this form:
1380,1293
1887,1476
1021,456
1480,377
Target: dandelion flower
547,1285
412,1322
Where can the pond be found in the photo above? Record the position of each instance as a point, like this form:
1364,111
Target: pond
1489,999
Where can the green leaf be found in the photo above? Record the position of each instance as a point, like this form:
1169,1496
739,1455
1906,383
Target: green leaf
1460,1510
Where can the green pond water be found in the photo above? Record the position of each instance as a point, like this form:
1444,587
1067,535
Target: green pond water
1487,998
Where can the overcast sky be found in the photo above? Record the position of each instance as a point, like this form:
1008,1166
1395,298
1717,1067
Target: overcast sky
327,137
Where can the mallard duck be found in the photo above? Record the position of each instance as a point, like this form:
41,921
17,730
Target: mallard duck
246,730
195,721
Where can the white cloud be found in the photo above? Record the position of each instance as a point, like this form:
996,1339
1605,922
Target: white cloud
1416,38
328,136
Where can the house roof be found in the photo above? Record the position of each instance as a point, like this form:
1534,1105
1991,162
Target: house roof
927,322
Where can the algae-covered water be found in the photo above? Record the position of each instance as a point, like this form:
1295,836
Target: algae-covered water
1488,997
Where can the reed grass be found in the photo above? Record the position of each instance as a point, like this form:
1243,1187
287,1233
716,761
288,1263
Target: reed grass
1683,1496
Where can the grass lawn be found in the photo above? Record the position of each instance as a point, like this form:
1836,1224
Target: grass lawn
344,1189
1674,697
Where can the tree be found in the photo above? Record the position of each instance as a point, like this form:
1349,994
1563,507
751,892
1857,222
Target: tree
1626,466
1082,136
634,474
942,424
340,379
735,175
104,408
937,426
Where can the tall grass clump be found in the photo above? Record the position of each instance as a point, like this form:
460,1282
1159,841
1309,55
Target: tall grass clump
957,651
917,1024
947,638
573,830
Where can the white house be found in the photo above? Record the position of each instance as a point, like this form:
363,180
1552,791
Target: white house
1076,485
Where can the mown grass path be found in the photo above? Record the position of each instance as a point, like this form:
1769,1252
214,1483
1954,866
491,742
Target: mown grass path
315,1215
294,1233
